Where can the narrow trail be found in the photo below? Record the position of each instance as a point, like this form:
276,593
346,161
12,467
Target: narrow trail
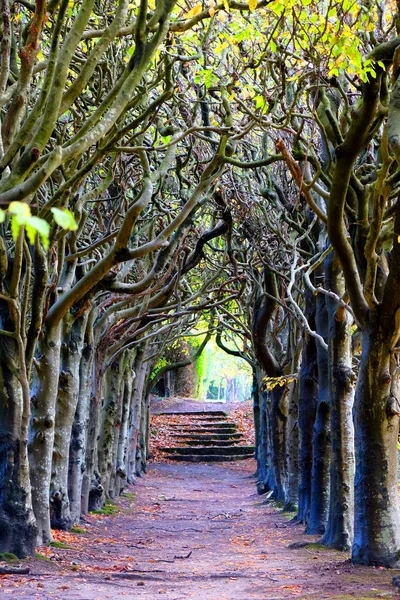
195,531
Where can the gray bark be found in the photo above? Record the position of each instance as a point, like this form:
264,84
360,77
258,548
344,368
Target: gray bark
142,440
41,435
112,392
278,418
308,394
92,488
319,503
17,523
339,529
79,429
377,523
292,447
139,383
68,393
122,449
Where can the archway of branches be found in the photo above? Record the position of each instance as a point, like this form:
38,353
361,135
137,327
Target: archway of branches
173,174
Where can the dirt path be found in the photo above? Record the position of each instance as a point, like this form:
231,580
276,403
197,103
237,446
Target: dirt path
194,531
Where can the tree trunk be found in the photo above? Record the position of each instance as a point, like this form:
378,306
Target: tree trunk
92,489
124,398
319,505
376,524
68,393
139,385
112,390
142,446
17,523
265,481
308,394
278,416
339,529
256,396
123,441
122,449
79,429
41,436
263,309
292,447
142,441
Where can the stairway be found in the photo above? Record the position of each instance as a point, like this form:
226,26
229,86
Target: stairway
205,437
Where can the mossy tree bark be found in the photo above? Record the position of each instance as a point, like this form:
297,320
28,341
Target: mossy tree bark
123,439
143,433
339,529
308,398
319,503
139,384
80,425
273,418
112,400
67,400
279,422
16,514
377,524
292,448
41,436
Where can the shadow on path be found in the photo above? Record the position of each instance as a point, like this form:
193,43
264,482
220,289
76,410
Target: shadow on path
194,531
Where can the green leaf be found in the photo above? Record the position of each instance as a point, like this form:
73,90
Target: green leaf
15,228
65,219
19,209
35,226
260,101
2,215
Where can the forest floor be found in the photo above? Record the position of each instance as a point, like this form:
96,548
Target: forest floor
193,532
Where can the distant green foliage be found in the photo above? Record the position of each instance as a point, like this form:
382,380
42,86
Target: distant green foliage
200,367
216,365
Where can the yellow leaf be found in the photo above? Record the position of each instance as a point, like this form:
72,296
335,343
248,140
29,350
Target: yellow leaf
252,4
398,239
194,11
226,5
152,4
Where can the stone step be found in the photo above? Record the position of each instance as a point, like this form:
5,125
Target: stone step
216,425
201,450
212,442
208,457
197,430
208,419
207,436
195,413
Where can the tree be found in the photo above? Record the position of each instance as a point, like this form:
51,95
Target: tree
162,167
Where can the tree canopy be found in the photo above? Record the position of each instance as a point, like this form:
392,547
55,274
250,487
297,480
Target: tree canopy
181,171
